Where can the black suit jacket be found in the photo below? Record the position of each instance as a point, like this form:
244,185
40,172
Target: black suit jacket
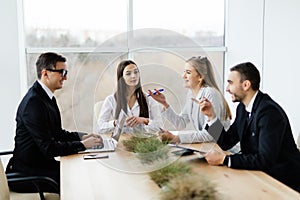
266,140
39,136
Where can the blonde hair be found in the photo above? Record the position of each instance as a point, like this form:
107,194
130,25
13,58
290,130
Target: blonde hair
204,68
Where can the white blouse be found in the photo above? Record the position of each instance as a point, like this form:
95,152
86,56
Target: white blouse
191,114
107,115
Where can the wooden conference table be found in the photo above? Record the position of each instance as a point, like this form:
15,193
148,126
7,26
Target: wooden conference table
123,176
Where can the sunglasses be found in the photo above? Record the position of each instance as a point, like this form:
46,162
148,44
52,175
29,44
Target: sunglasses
63,72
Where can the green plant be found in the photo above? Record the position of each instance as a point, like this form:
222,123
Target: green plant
151,150
148,148
130,144
189,186
164,175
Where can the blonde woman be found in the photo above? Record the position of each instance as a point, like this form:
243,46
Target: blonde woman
199,78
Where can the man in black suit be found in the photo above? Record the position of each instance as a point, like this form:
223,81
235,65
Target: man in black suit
262,128
39,135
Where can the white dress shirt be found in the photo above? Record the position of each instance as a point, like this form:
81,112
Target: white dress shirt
248,109
47,90
250,105
106,117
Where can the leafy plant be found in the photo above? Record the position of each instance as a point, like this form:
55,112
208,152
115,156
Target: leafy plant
132,142
151,150
164,175
148,149
189,186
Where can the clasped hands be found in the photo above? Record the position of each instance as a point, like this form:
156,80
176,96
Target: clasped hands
133,121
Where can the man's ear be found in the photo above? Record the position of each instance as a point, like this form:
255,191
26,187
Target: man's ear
246,85
44,74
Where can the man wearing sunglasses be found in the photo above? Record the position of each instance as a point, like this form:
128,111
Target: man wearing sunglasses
39,135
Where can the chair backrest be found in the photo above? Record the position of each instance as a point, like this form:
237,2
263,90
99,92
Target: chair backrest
4,190
97,109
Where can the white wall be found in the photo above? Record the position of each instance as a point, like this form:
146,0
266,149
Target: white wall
10,82
244,36
281,53
266,32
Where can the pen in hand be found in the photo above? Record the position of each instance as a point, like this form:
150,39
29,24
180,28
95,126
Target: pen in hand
195,100
201,99
161,130
154,91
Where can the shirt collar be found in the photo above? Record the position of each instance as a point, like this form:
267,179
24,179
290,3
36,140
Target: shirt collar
250,105
47,90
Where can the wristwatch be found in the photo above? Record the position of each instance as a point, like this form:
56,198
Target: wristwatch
226,160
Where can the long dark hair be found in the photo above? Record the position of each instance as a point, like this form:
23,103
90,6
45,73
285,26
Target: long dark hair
121,92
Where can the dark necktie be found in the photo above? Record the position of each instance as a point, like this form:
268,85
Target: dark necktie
206,127
53,100
55,105
56,109
247,116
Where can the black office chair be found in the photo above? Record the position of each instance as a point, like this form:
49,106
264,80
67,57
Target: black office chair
10,179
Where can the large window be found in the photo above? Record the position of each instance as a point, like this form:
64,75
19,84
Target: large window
67,23
95,35
200,20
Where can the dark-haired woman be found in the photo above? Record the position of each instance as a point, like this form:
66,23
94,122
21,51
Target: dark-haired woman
130,98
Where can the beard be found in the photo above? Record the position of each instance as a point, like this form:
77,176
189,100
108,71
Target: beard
236,98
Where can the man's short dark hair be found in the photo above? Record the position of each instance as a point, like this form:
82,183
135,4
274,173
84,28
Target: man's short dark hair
48,61
248,72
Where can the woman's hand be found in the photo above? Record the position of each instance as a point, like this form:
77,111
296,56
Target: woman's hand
159,97
206,107
133,121
166,136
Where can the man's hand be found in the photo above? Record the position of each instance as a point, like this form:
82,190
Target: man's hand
92,140
215,157
90,135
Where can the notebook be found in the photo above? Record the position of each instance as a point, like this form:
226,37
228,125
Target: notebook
186,148
109,144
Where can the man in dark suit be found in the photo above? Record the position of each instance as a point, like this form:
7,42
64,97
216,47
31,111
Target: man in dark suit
262,128
39,135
